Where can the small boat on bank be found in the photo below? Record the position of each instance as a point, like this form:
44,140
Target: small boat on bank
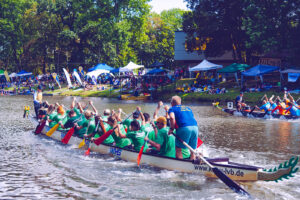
235,171
135,98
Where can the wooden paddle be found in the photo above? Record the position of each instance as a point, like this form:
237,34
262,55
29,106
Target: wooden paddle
251,111
54,128
103,137
40,127
69,134
225,179
82,143
87,152
141,151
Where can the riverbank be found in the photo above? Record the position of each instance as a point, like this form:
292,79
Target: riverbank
166,94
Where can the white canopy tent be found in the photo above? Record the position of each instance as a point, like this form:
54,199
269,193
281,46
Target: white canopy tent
98,72
205,66
13,75
130,67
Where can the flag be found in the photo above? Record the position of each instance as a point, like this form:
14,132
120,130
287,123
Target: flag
68,78
77,76
55,77
81,72
6,76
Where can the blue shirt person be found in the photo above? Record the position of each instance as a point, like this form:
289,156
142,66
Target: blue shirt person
187,126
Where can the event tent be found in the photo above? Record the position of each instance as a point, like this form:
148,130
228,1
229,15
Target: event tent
130,67
155,71
98,72
24,73
233,68
259,70
293,74
205,66
156,64
101,66
12,75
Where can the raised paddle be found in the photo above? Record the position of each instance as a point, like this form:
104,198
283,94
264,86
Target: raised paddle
225,179
103,137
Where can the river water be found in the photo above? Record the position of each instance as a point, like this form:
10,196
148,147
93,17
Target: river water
33,167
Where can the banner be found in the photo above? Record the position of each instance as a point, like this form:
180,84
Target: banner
77,76
6,76
68,78
55,77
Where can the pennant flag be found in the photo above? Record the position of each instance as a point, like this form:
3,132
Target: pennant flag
81,72
68,78
55,77
6,76
77,76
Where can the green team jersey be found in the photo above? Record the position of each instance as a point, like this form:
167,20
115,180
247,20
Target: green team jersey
167,143
137,138
121,142
59,118
88,127
51,117
127,122
148,129
99,132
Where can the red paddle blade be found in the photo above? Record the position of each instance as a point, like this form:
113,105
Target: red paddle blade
199,142
68,136
87,152
40,127
103,137
140,155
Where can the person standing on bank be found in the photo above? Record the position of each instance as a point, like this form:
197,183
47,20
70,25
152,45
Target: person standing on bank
187,126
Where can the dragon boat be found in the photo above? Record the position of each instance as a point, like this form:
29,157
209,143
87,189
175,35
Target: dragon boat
235,171
255,114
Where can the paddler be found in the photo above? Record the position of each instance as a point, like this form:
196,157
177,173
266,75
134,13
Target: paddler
294,111
135,134
88,127
238,101
38,99
60,118
163,143
187,126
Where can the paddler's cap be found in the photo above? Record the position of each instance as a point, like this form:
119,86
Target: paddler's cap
136,114
60,110
162,120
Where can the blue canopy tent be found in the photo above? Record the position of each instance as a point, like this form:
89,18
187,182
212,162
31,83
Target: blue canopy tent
116,70
101,66
259,70
24,73
155,71
156,64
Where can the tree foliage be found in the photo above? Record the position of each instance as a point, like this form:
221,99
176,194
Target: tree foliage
46,35
246,27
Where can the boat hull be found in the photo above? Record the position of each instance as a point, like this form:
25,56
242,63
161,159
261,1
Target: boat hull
135,98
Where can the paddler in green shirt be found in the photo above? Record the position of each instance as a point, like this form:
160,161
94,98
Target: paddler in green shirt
119,133
88,127
99,132
135,116
163,144
51,113
61,117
